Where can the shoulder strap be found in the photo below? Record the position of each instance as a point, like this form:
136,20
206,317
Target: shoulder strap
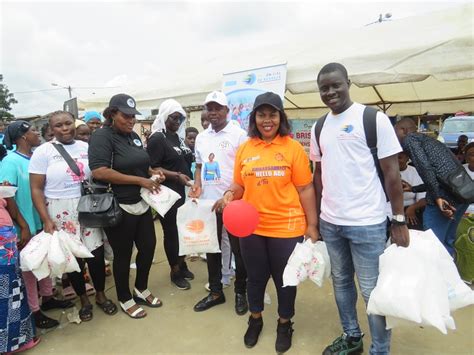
370,129
317,130
72,164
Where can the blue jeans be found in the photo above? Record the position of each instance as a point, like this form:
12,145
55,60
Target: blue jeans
356,249
443,227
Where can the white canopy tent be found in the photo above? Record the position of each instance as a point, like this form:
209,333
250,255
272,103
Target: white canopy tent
407,67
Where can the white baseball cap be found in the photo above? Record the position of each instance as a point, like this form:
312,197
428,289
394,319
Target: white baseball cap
216,96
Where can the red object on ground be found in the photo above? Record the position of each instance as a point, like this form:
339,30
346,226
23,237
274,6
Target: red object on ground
240,218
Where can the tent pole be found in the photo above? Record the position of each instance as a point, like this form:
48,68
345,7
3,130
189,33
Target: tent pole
384,107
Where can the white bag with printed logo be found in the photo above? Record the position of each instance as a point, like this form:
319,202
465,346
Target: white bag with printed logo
197,228
33,254
160,201
308,260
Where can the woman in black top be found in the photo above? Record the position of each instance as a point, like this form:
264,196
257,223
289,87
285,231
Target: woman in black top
116,156
168,152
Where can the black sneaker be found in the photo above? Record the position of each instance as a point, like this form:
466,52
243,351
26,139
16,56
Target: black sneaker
179,281
284,334
187,275
54,303
253,331
42,321
345,345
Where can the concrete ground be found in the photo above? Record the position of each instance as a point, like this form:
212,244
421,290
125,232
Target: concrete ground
176,329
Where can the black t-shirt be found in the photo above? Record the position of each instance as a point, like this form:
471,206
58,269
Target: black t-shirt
129,158
168,151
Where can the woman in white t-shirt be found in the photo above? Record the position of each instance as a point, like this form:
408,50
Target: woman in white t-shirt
413,202
55,191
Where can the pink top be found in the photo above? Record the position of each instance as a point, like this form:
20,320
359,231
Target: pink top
5,219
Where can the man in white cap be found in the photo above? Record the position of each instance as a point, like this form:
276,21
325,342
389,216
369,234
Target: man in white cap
215,150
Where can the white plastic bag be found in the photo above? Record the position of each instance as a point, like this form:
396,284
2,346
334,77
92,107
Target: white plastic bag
42,271
160,201
319,268
419,284
73,243
197,228
56,256
308,259
33,254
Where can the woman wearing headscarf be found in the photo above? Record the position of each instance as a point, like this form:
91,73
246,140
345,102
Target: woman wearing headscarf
116,156
15,172
169,152
56,189
93,120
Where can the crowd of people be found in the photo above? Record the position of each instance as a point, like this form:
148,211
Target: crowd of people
343,202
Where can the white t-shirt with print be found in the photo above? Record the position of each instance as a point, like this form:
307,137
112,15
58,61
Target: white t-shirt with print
470,209
352,192
411,176
61,181
217,171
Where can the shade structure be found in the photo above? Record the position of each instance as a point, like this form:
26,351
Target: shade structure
409,66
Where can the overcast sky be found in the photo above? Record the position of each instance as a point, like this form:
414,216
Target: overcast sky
90,45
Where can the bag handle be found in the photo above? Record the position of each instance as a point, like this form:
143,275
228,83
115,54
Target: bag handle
72,164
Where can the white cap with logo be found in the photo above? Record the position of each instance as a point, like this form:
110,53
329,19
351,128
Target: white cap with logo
218,97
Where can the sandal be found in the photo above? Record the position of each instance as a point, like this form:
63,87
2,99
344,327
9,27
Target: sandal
69,293
136,314
85,313
108,307
142,298
90,290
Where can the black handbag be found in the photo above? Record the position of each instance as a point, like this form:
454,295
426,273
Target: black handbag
98,206
460,185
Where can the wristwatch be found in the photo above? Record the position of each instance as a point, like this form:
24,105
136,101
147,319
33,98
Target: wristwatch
398,219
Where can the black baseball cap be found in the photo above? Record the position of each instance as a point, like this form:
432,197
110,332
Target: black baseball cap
125,104
268,98
14,131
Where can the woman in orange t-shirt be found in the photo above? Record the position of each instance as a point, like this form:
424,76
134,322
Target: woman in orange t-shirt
272,173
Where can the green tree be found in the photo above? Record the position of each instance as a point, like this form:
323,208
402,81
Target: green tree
6,101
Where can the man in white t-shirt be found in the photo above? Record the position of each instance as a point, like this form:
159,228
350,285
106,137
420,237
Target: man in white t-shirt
215,150
351,202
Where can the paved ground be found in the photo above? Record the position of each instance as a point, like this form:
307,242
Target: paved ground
177,329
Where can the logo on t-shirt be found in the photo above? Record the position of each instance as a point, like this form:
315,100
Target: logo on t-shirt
137,142
348,128
279,157
225,145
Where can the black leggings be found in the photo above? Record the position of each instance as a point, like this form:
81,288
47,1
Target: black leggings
214,263
96,267
265,256
170,235
141,231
